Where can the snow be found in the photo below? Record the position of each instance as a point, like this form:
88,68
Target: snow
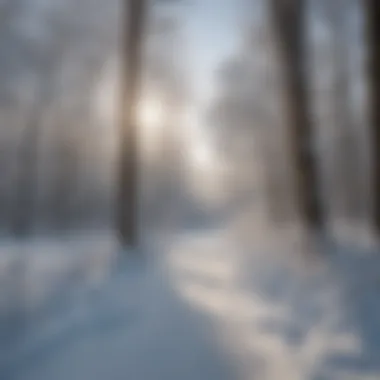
202,305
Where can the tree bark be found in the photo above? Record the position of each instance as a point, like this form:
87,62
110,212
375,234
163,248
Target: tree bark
127,212
288,18
347,189
372,10
25,184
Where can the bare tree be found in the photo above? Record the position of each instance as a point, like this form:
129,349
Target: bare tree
25,186
131,67
48,62
23,213
372,10
10,71
288,20
347,189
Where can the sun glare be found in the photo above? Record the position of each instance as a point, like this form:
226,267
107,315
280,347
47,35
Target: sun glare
150,118
150,114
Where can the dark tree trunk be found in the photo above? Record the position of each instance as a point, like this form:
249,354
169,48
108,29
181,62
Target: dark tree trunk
288,18
373,36
23,212
65,178
26,180
127,213
347,189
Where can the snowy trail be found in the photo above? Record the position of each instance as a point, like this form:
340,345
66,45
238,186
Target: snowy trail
288,315
208,308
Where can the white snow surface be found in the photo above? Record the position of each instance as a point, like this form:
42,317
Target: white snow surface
200,306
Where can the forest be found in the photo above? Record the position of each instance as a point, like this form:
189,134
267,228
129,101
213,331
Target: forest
211,163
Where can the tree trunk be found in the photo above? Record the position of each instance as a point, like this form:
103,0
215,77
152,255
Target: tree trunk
347,189
372,9
127,213
25,197
288,18
26,180
23,212
66,176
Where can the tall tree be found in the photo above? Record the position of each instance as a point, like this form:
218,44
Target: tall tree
346,182
25,189
45,61
372,10
131,66
288,20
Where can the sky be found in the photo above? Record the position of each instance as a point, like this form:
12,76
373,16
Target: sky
212,33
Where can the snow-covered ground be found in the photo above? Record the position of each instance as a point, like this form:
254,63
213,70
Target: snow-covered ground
204,305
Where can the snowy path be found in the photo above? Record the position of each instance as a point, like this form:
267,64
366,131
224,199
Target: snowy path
207,308
288,316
